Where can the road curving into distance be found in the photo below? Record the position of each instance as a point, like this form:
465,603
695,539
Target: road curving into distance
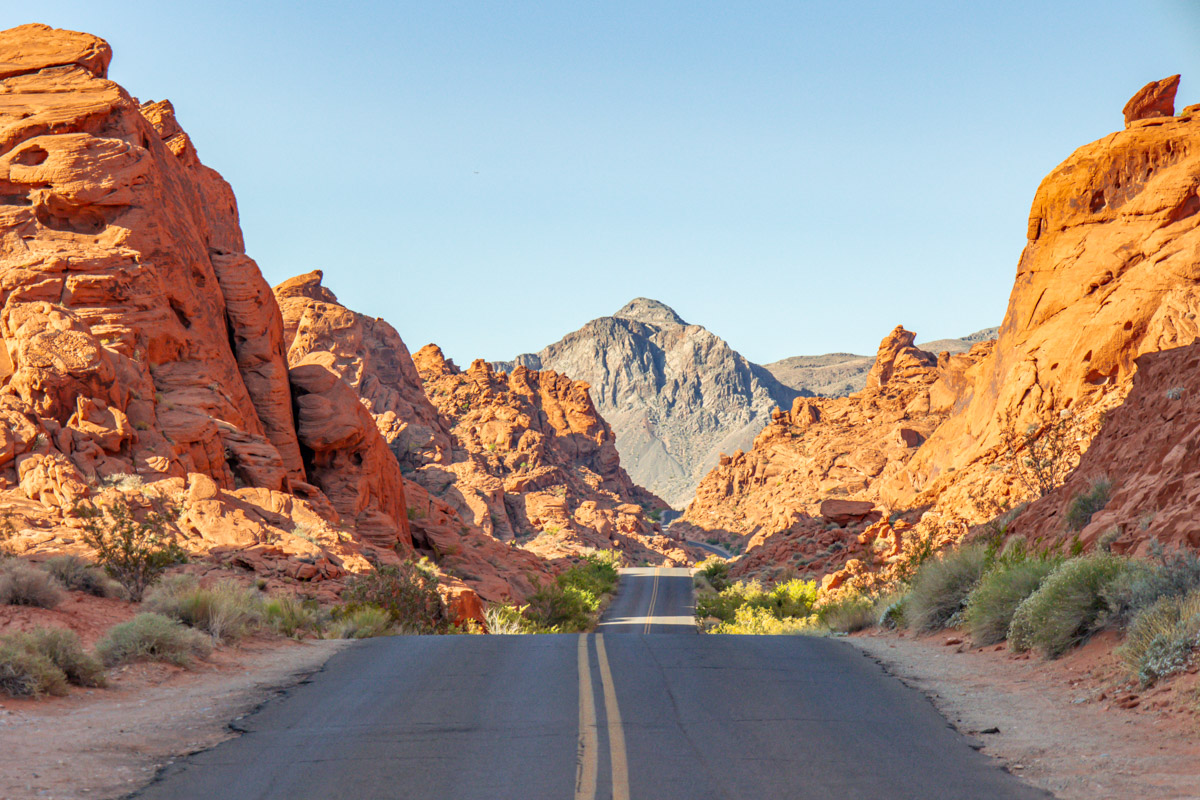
630,712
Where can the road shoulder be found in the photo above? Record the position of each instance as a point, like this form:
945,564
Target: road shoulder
107,743
1058,725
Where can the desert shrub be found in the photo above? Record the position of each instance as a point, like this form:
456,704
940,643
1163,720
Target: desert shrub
942,585
23,584
1040,457
1163,637
292,617
80,575
224,610
991,605
1085,504
152,637
1067,607
360,622
134,552
715,570
26,673
407,592
62,648
1141,585
847,613
759,621
889,610
507,619
572,603
789,600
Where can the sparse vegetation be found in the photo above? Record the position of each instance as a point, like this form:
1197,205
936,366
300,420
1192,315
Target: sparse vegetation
1163,638
133,551
23,584
292,617
790,601
152,637
508,619
990,607
408,593
80,575
361,622
573,602
941,586
1086,504
847,613
715,571
1068,607
225,610
1040,457
44,661
749,620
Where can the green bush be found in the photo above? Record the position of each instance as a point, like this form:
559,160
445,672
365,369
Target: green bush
1163,637
80,575
225,610
26,673
65,652
152,637
361,622
848,613
408,593
1085,504
759,621
292,617
23,584
1067,607
1145,582
572,603
891,611
508,619
789,600
942,585
990,607
715,570
134,552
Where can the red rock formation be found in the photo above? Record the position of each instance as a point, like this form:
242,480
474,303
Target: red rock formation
831,461
1155,99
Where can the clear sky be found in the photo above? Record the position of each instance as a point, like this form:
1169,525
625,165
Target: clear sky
799,177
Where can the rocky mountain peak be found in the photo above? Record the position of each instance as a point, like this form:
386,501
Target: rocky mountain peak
650,312
898,356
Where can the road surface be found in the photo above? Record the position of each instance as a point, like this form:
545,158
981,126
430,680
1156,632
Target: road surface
630,713
710,548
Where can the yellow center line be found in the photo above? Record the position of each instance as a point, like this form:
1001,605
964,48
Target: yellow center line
653,597
616,736
588,758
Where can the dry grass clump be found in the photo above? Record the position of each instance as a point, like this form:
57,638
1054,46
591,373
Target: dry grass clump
80,575
363,622
292,617
1163,638
1068,607
225,610
152,637
847,613
45,661
990,607
941,586
23,584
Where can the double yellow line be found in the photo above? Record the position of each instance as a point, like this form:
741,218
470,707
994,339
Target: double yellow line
653,598
589,746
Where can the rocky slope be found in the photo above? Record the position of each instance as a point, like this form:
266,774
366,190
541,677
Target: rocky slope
676,395
1108,284
840,374
144,357
493,459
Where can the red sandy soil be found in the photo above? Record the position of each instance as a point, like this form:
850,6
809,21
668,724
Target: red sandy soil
1077,726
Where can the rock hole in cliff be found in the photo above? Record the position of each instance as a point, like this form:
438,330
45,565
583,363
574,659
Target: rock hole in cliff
17,199
1128,326
1189,206
1087,356
31,156
356,459
81,220
177,307
1097,202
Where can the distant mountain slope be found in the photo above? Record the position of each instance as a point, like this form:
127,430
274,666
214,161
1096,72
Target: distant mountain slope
676,395
840,374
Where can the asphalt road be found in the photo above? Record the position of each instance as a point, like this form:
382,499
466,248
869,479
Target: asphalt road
710,548
627,713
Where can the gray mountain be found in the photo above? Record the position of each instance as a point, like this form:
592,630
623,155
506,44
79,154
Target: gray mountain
676,395
840,374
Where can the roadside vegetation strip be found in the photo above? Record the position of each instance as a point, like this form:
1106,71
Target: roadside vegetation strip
1036,599
571,604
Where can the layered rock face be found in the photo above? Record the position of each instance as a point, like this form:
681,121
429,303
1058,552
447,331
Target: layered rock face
841,374
825,462
144,357
534,463
1108,286
676,395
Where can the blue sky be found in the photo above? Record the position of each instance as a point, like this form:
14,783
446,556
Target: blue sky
799,177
